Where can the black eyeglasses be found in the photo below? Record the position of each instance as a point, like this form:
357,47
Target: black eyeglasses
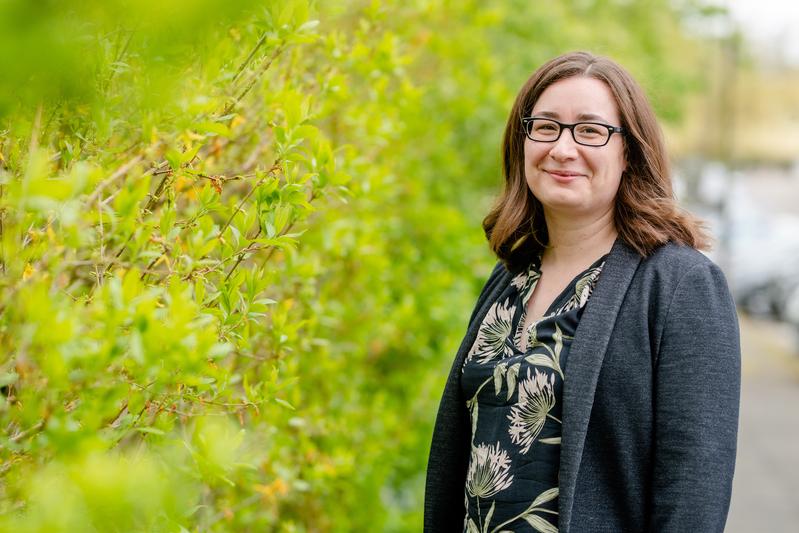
547,130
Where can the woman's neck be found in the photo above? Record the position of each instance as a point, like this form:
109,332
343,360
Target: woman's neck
576,241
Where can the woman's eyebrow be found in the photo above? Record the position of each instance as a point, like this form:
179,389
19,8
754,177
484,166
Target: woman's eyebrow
591,116
580,117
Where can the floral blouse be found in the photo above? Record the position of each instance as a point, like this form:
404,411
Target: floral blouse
515,406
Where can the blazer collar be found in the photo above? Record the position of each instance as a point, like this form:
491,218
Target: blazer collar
583,366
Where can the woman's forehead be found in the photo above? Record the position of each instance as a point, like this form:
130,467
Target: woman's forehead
577,98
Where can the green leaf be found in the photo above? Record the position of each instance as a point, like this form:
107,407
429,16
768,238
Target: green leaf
151,430
282,216
187,155
308,26
219,350
173,157
136,346
292,107
306,131
284,403
340,178
216,128
300,13
8,378
167,221
236,235
286,13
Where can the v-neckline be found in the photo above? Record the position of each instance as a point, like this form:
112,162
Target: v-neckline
558,300
555,304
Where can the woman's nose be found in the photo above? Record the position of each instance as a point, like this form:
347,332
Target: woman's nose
565,147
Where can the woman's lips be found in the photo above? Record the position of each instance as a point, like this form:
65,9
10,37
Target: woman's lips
563,176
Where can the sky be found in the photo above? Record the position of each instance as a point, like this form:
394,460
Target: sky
772,26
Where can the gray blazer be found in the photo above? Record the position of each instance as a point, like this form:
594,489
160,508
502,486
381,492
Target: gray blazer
650,402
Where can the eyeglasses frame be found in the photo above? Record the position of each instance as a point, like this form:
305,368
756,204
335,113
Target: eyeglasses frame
570,127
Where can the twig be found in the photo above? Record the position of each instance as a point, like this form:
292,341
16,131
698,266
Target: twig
275,167
246,62
157,194
118,173
30,431
120,54
253,80
226,110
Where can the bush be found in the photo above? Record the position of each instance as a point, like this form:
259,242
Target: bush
239,248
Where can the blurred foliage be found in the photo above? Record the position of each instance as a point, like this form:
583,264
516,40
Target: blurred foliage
239,245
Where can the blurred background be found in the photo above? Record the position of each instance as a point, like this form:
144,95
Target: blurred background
240,244
744,179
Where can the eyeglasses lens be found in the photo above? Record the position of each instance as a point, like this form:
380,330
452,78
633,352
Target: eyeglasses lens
586,133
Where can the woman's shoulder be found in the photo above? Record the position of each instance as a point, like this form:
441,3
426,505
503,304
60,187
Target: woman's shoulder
672,263
676,256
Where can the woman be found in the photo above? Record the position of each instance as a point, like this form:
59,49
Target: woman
597,387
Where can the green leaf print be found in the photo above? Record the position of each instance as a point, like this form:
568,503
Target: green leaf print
532,335
473,406
537,522
489,516
541,359
473,410
540,524
471,527
558,336
546,496
513,373
499,373
553,440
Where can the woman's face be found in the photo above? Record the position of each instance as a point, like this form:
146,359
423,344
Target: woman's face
568,178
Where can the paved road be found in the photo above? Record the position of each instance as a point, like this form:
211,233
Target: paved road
765,496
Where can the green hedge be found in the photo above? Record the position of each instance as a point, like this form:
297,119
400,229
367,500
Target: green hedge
239,247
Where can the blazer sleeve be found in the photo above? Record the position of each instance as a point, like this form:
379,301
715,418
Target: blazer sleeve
696,395
449,449
489,285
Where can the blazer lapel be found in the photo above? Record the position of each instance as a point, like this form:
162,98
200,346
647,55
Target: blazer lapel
583,366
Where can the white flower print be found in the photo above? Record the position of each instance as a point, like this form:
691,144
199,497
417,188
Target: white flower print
527,417
582,290
488,471
529,285
491,341
585,286
519,280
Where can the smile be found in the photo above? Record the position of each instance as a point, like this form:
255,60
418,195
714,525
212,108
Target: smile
563,176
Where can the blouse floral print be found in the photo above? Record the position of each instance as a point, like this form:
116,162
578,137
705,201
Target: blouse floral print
515,406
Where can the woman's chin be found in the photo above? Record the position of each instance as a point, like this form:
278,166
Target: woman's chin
568,200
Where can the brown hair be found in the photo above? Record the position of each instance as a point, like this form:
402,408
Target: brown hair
646,213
